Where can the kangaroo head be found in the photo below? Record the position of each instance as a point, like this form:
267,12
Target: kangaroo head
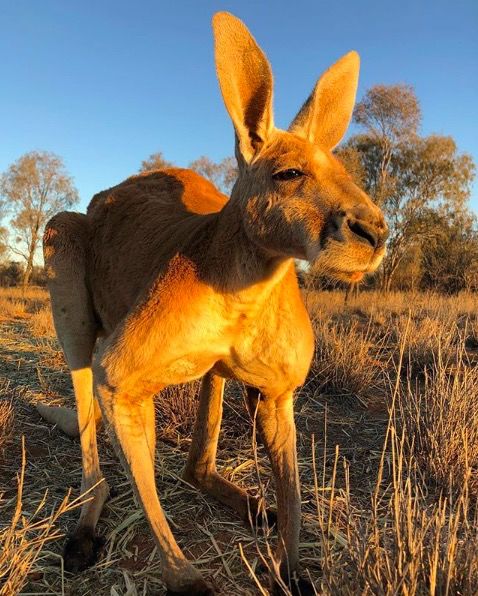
295,198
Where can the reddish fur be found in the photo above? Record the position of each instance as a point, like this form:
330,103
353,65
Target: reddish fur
186,283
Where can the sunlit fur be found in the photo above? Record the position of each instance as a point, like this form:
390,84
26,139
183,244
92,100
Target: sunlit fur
293,218
181,282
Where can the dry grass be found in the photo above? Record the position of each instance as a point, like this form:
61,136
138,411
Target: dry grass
31,304
25,535
403,542
25,298
440,419
6,418
11,308
41,323
28,303
345,368
388,455
176,410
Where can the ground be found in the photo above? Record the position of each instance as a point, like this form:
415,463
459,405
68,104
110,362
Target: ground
375,450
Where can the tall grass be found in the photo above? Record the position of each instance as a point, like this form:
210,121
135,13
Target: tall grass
6,421
404,542
23,537
345,360
440,422
30,304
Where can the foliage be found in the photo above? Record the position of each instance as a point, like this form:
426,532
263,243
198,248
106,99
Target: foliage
222,174
450,258
389,115
155,161
351,158
35,187
429,175
11,274
412,178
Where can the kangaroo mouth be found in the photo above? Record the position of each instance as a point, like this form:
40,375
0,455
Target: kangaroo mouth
348,261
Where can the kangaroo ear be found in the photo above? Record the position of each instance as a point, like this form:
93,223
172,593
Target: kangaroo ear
245,79
325,116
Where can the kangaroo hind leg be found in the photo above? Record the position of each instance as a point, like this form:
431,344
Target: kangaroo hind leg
273,412
65,246
200,470
131,425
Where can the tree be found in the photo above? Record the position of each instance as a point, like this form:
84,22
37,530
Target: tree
430,176
450,259
155,161
351,158
34,188
229,173
407,175
222,174
389,115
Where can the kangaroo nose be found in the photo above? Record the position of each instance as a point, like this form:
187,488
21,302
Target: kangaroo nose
365,232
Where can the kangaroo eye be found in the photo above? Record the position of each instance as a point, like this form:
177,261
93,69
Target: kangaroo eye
287,174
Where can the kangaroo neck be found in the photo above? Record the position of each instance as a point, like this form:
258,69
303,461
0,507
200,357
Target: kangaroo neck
234,261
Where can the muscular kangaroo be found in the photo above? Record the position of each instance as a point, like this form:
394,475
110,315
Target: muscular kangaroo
184,283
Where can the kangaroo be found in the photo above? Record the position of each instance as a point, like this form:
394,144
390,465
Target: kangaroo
182,282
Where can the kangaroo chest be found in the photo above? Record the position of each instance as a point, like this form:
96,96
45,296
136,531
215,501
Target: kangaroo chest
185,329
273,352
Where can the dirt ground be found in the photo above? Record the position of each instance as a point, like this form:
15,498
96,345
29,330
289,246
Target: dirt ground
344,432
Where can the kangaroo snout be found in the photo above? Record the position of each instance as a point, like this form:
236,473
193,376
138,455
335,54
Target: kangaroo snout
374,234
361,226
365,232
366,224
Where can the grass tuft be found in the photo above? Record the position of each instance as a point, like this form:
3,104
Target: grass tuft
24,537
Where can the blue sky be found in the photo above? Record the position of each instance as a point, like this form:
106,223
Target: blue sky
106,83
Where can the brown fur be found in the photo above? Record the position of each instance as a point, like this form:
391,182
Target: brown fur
183,282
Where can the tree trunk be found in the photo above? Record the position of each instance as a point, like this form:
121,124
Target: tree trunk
28,271
29,267
388,274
